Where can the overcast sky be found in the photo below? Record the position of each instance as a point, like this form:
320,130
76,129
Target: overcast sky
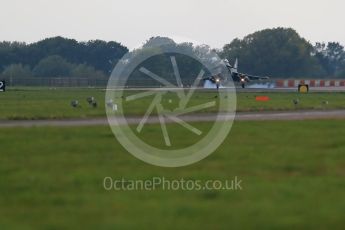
131,22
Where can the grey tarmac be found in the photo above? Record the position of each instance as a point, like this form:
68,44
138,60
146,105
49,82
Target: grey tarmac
241,116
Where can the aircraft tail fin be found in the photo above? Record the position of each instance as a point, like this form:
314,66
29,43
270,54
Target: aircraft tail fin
236,64
234,68
227,63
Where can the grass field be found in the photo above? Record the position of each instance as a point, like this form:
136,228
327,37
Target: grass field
292,172
46,103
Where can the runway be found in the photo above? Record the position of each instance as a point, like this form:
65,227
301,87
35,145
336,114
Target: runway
250,116
291,90
248,89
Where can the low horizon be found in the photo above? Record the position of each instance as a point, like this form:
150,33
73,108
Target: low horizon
132,22
177,39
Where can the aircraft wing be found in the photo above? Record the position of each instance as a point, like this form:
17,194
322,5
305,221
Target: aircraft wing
213,78
254,78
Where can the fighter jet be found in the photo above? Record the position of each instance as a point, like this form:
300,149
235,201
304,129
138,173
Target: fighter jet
236,76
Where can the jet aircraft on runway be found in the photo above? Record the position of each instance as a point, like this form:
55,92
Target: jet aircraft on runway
236,76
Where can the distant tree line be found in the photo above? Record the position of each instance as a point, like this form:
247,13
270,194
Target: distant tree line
157,53
278,53
59,57
283,53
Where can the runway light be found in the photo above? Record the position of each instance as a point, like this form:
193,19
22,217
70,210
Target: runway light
94,104
90,100
295,101
74,103
110,103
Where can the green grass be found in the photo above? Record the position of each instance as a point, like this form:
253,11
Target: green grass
292,172
33,103
43,103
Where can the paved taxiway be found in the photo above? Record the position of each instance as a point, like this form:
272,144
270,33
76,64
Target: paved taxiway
250,116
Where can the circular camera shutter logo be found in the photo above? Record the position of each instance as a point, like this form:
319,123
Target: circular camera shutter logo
164,84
